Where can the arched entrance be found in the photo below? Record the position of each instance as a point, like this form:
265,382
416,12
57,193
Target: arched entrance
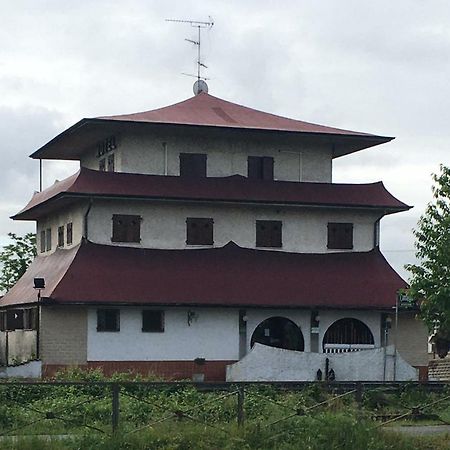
279,332
347,335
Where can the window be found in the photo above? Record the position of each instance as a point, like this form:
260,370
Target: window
61,236
126,228
152,321
192,165
14,319
48,239
340,235
43,241
2,320
30,319
102,165
199,231
260,167
268,233
69,235
108,320
111,163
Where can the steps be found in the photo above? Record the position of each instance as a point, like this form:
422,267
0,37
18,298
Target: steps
439,370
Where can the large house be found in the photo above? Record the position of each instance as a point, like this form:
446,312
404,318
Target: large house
195,231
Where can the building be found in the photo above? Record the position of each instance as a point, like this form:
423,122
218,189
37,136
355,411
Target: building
194,231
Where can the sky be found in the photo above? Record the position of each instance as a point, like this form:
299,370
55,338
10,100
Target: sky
381,67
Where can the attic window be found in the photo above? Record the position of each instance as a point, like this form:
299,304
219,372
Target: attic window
69,233
260,167
126,228
102,165
268,233
199,231
111,163
48,239
340,236
192,165
108,320
61,236
153,321
42,243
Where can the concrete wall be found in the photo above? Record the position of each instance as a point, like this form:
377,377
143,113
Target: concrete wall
212,335
412,342
294,159
164,225
3,351
63,338
21,346
73,214
272,364
31,369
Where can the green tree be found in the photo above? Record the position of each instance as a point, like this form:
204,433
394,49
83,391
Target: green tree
15,258
430,279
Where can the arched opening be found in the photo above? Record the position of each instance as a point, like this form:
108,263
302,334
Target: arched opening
279,332
347,335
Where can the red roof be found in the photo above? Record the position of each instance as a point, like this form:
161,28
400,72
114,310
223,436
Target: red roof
226,276
236,188
203,110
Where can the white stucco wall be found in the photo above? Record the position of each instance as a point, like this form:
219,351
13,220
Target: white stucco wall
294,159
74,214
164,225
213,335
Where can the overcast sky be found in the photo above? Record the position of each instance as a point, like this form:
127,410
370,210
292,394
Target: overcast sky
376,66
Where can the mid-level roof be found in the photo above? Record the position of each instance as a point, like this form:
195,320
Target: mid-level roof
203,110
236,189
226,276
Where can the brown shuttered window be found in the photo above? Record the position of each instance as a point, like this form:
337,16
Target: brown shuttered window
69,233
126,228
61,236
340,235
199,231
108,320
43,241
192,165
48,239
268,233
153,321
260,167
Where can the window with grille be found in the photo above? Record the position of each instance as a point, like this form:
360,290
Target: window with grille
126,228
192,165
61,236
108,320
69,233
199,231
153,321
268,233
340,236
260,167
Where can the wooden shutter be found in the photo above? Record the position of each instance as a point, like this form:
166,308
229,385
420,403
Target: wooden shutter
340,236
61,236
254,167
48,239
126,228
43,246
199,231
192,165
267,168
268,233
69,233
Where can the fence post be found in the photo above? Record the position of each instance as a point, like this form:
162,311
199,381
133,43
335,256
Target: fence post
115,406
359,397
240,406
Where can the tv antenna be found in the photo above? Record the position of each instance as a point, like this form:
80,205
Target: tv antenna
200,85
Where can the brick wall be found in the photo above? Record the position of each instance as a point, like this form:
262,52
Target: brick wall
63,338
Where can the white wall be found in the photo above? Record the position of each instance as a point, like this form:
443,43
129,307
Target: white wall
164,225
294,159
213,335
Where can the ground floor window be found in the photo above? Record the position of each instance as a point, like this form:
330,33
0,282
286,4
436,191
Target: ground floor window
347,335
152,321
108,320
279,332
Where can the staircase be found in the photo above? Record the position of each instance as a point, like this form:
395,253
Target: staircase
439,370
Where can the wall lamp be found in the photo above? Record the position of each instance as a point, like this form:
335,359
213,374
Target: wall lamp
39,284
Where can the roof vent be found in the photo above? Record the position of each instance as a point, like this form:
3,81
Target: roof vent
200,86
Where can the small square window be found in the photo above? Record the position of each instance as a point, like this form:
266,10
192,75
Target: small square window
126,228
61,236
268,233
340,236
192,165
153,321
69,235
108,320
199,231
260,167
48,239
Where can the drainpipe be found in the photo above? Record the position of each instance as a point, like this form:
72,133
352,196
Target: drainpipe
85,220
164,144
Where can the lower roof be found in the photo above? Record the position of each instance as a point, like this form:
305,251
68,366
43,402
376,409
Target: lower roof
227,276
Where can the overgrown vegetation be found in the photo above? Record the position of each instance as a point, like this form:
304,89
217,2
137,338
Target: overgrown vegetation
174,417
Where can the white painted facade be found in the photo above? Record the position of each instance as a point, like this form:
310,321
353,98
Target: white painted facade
158,154
213,334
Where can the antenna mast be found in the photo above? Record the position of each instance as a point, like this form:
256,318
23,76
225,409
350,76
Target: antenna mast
199,25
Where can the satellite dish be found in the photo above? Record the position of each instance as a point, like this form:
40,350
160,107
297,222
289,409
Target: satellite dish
200,86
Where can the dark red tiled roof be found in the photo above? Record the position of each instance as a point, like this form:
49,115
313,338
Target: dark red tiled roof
203,110
227,276
236,188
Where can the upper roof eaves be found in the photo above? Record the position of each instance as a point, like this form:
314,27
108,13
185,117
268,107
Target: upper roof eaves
205,110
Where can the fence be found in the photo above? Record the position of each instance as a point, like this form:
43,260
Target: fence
130,406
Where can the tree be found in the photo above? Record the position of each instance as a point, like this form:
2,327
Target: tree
15,258
430,281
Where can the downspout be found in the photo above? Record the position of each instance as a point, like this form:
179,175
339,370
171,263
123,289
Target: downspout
85,220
